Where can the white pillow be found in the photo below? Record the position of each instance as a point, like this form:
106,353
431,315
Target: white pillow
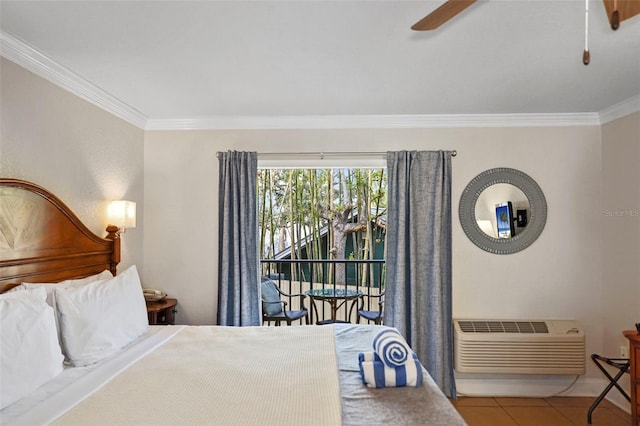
98,319
30,354
49,287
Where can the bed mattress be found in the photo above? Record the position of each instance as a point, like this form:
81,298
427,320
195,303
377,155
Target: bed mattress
232,375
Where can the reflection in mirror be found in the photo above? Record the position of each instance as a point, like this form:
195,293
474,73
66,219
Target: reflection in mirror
490,198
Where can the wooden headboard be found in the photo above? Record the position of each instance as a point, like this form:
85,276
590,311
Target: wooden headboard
42,240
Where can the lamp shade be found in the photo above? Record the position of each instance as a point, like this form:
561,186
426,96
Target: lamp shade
122,214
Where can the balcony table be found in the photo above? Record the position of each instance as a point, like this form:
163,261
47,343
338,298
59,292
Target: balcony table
336,297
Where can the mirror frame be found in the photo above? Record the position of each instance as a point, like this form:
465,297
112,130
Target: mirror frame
537,213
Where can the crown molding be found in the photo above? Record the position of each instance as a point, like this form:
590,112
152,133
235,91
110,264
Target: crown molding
621,109
374,121
29,58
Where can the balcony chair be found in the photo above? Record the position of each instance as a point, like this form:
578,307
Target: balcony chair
371,315
275,309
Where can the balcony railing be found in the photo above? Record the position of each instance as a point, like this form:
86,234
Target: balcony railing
300,275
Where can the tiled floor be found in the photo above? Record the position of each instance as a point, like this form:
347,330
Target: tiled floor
557,411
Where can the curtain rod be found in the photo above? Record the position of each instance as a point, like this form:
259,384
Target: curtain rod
328,154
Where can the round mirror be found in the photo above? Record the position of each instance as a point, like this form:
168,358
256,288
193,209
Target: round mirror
502,211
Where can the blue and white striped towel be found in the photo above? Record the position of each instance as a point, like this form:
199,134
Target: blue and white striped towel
375,374
391,347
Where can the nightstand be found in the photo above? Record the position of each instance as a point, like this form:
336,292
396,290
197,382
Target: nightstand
634,353
162,312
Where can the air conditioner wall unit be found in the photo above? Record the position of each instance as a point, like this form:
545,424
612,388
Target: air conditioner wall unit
519,346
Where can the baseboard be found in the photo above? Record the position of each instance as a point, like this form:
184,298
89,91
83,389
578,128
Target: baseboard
538,387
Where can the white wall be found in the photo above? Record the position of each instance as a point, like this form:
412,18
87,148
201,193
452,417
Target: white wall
76,150
557,277
620,290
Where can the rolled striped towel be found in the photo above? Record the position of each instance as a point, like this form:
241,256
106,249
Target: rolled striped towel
375,374
391,347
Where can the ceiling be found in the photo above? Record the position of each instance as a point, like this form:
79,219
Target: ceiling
171,60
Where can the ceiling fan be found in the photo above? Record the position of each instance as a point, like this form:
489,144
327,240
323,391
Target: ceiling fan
617,11
442,14
620,10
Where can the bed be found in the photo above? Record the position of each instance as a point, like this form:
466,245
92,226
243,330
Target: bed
119,370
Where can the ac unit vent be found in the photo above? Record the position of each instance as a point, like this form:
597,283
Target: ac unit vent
504,326
519,346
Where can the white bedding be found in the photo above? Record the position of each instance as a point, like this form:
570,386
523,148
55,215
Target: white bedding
75,383
97,388
224,375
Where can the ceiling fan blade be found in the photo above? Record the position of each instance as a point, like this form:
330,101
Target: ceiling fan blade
442,14
625,8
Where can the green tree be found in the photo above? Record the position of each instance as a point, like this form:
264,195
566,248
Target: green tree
296,205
